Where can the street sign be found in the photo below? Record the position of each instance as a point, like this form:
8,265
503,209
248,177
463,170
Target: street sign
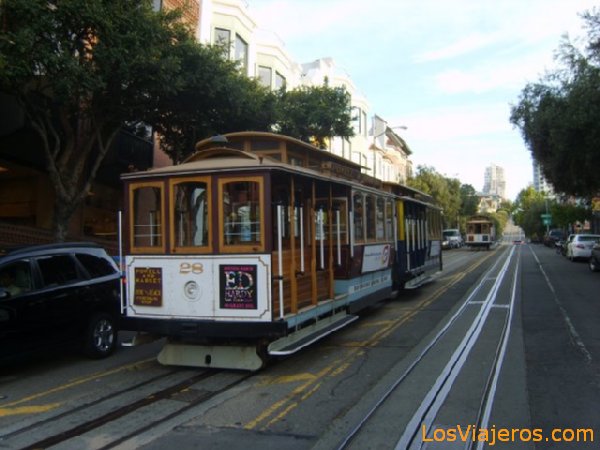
546,216
546,221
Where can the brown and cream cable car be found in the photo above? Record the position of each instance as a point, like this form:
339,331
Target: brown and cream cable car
263,245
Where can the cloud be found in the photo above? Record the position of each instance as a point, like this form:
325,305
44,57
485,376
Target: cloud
464,45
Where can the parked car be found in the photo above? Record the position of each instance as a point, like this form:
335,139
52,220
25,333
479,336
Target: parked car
594,261
58,294
451,238
580,246
554,236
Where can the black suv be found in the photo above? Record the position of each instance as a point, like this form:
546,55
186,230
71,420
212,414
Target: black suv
55,294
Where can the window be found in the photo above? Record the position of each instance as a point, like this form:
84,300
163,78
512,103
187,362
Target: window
341,205
280,82
95,265
222,38
241,51
241,213
15,278
357,206
371,221
389,220
264,76
356,117
359,121
146,204
190,213
58,270
363,122
380,219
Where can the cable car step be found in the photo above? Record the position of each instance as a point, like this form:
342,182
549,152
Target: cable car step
306,336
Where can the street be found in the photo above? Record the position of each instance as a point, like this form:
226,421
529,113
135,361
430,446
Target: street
500,351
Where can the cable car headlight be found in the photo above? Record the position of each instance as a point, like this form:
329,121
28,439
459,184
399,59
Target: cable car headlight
191,290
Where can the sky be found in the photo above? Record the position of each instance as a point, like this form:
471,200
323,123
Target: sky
447,70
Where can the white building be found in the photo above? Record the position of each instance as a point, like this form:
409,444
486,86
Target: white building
539,181
262,54
494,182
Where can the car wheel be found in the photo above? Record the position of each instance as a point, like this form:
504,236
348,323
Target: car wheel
100,336
594,267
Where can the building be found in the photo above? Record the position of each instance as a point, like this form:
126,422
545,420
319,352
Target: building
539,181
494,182
26,194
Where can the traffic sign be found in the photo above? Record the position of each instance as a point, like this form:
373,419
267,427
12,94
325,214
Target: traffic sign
546,216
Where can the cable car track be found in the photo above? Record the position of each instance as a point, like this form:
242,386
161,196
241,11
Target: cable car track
434,399
183,391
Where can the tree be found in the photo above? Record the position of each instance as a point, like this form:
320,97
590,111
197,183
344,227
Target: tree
445,191
564,215
314,113
529,206
81,69
469,201
559,117
215,98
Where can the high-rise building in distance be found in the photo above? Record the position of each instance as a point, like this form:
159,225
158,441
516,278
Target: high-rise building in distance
494,182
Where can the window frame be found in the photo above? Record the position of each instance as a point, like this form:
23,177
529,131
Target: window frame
243,60
241,248
359,220
268,83
208,248
146,249
226,45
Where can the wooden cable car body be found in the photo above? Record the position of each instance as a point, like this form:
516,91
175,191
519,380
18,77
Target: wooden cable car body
263,245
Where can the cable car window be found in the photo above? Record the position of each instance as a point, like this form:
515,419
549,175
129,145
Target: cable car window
191,218
241,213
370,217
380,219
147,216
357,206
341,205
389,220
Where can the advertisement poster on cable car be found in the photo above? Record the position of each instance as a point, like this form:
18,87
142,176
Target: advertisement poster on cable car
238,286
148,286
376,257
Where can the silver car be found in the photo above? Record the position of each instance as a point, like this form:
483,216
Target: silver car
580,246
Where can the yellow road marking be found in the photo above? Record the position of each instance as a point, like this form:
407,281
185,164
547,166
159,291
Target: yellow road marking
290,402
5,412
285,379
75,382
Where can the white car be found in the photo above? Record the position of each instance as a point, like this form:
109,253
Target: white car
580,246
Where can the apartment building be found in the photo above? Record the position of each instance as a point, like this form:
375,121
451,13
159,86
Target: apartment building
494,182
26,195
262,54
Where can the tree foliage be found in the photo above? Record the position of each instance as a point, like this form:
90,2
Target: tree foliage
559,116
531,204
445,192
214,98
469,201
81,69
314,113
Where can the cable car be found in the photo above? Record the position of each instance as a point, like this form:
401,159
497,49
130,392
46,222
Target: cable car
263,244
